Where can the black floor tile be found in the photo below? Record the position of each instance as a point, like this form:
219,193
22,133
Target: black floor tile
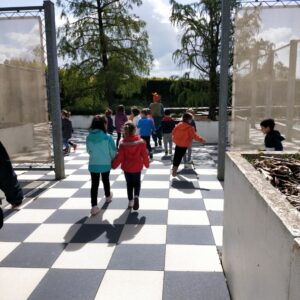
155,193
68,216
215,218
16,232
46,203
151,217
186,204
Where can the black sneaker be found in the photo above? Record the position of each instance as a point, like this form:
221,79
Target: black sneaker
1,217
136,204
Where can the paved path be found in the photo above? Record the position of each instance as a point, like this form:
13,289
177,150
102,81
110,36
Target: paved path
52,249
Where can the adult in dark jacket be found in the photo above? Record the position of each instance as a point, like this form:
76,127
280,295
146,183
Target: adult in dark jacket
273,138
8,181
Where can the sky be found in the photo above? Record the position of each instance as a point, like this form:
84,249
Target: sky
163,37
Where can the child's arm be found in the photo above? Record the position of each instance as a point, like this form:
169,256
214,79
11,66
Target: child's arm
145,156
119,158
196,136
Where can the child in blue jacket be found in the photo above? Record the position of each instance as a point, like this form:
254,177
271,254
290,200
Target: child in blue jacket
146,127
102,150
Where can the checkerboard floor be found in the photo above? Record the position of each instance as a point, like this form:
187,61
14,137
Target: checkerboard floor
52,249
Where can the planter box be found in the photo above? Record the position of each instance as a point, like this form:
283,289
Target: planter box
261,245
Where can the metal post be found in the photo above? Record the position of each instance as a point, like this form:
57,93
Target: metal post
254,86
223,93
53,88
291,95
270,83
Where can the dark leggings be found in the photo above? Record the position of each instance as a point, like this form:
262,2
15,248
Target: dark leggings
95,186
178,155
133,181
148,145
118,138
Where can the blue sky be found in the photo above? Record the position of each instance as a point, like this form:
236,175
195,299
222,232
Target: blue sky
163,37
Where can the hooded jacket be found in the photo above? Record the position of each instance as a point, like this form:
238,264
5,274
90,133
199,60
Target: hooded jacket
120,120
167,124
102,150
132,155
146,126
273,140
184,134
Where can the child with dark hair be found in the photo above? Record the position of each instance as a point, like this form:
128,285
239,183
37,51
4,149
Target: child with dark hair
101,149
146,127
183,135
188,155
110,125
120,120
167,125
67,130
273,138
132,155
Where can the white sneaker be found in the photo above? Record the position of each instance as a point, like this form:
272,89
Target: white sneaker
109,198
130,203
95,210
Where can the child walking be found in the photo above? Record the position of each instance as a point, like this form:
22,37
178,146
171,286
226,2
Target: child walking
273,138
120,120
132,155
146,127
136,117
67,130
110,123
101,149
183,135
188,155
167,125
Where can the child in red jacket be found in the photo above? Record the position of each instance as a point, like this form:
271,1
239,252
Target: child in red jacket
183,135
133,156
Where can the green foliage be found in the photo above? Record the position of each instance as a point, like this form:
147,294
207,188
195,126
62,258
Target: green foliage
104,41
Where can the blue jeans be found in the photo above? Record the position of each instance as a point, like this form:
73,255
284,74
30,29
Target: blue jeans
66,143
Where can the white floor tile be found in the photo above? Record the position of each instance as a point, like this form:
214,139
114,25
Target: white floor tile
77,162
155,184
133,285
116,171
214,204
31,216
85,256
6,248
192,258
210,185
143,234
152,171
58,193
109,216
207,171
187,217
30,176
53,233
18,283
78,178
85,167
218,234
77,203
154,203
67,172
185,194
119,193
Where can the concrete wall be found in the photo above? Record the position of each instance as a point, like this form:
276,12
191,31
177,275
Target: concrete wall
260,253
17,139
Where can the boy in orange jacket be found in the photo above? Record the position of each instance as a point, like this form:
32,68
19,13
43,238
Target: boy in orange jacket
183,135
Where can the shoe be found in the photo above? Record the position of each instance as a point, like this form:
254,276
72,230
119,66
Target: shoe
109,198
159,143
151,156
130,203
16,205
174,171
1,218
170,152
74,147
136,204
155,143
95,210
166,152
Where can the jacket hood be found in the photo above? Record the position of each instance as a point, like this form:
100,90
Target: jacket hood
184,126
131,138
167,119
97,135
277,134
131,144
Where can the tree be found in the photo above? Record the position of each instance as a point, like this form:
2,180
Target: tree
200,23
104,41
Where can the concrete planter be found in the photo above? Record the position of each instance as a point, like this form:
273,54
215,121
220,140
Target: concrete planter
261,238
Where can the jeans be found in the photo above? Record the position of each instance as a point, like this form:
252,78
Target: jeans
147,140
66,143
188,155
133,181
178,155
95,185
167,137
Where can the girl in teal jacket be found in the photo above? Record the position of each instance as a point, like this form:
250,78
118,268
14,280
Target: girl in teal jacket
102,150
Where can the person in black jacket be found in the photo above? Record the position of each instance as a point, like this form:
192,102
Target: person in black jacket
273,138
8,182
167,126
110,123
67,130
